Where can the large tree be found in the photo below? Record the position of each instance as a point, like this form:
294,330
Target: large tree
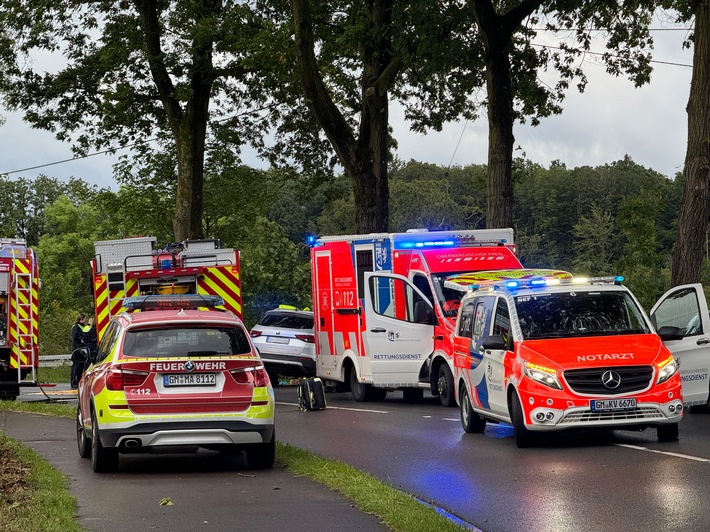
115,74
695,205
513,63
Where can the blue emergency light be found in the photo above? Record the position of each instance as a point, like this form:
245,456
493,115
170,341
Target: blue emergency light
311,240
172,301
426,244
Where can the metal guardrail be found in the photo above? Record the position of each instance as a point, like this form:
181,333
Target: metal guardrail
52,361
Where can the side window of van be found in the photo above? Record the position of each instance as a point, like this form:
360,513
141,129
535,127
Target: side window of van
466,321
501,323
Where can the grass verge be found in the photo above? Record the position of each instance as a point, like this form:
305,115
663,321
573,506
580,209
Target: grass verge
396,509
33,495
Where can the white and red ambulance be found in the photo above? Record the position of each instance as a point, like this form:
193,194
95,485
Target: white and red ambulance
385,313
560,353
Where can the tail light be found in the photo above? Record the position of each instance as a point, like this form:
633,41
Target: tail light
118,378
254,375
254,334
308,338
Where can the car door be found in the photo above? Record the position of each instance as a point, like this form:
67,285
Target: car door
494,359
686,307
399,333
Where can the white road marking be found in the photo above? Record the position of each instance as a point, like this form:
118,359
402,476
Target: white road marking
341,408
451,419
676,455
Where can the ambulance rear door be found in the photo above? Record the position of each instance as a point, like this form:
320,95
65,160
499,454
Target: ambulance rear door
686,307
323,313
399,334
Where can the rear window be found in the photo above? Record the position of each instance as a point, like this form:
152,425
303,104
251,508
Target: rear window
185,341
286,321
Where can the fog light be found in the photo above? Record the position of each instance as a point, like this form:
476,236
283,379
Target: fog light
679,408
550,415
671,408
540,416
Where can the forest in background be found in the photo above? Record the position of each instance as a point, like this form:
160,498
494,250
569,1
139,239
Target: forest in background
619,218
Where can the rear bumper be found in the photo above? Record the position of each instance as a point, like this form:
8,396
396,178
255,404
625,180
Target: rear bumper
186,433
289,365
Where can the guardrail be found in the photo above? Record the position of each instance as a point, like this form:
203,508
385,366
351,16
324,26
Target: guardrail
52,361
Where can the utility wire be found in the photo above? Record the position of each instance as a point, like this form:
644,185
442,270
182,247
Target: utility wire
615,56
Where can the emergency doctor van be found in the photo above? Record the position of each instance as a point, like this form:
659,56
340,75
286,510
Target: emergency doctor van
384,314
548,354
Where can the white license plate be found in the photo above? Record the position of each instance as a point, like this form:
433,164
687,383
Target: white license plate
189,379
628,403
276,340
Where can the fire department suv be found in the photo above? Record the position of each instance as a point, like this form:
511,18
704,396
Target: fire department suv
175,372
132,267
550,354
19,317
384,316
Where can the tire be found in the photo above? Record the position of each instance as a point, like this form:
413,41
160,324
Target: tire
357,388
364,392
83,442
103,460
413,395
667,433
262,456
523,437
471,422
445,386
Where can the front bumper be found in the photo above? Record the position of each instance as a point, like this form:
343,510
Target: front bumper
545,411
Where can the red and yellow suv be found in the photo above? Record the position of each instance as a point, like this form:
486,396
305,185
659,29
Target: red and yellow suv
548,354
173,371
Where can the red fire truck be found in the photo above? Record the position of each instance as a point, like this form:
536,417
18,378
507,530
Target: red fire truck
19,317
133,266
384,312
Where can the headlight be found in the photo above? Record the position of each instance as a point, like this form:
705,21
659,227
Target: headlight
543,375
666,369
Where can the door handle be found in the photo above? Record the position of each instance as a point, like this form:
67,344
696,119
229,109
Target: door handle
378,330
703,341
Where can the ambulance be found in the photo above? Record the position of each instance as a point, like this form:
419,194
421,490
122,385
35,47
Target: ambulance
383,314
553,353
134,266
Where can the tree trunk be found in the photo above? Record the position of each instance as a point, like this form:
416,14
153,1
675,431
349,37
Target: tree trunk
695,206
499,175
365,158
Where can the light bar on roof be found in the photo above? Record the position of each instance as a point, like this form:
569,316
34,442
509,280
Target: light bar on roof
539,282
427,244
172,301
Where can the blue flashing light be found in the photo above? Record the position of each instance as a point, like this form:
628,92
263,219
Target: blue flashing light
311,240
538,282
512,284
427,244
619,279
172,301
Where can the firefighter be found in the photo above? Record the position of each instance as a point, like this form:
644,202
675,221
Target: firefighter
77,365
88,338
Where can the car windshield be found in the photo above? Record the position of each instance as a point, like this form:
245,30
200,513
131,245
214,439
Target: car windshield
286,321
185,341
578,314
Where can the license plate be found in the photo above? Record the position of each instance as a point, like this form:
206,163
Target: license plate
605,405
189,379
276,340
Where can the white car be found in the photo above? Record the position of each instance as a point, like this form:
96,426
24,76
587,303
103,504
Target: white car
286,342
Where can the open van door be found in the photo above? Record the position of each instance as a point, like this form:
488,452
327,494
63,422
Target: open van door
399,333
685,307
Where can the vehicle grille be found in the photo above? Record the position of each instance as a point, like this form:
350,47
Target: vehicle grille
587,416
589,381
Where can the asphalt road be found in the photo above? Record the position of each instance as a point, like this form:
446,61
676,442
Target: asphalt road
208,491
612,481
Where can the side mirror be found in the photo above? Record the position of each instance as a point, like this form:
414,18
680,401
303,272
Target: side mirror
495,343
668,332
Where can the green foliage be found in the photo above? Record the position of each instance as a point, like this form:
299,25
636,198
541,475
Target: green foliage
273,271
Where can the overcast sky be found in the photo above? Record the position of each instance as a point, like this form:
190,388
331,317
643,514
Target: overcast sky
610,120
